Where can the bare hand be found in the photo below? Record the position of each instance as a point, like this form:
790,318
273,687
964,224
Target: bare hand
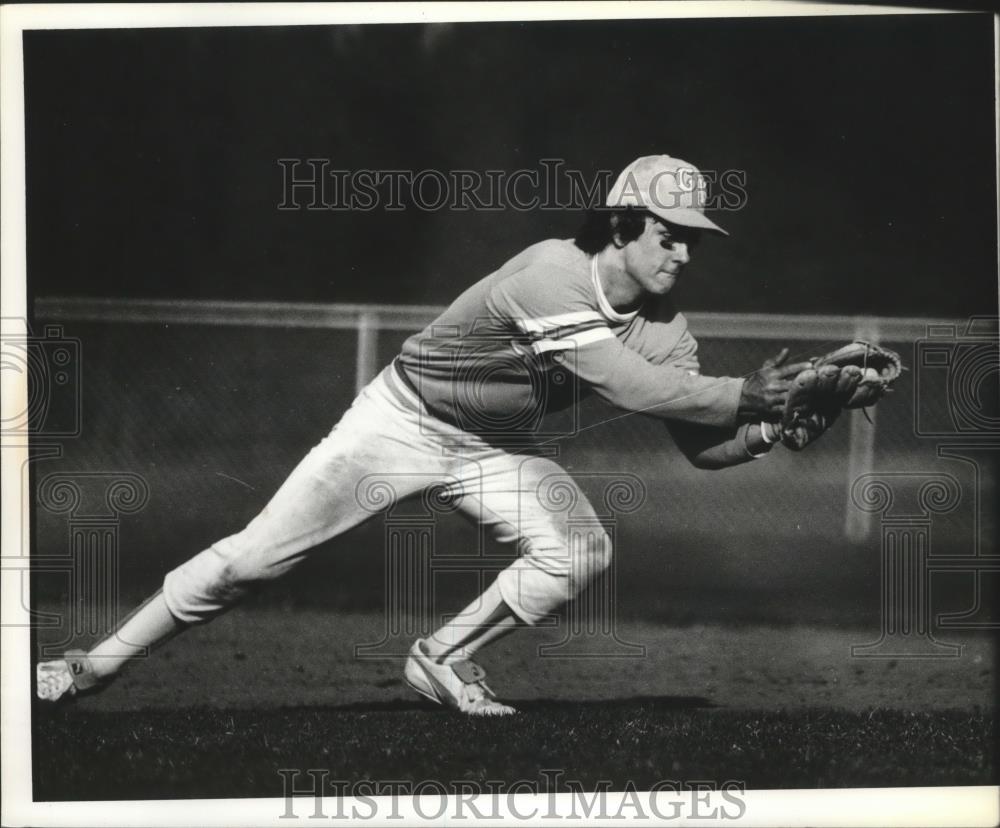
766,389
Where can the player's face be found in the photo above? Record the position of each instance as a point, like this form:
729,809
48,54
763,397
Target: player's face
656,259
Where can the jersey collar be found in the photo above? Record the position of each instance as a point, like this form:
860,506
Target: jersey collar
602,301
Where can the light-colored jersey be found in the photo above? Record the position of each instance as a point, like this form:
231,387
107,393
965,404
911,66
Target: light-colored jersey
538,333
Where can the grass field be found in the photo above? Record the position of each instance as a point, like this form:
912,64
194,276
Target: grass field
219,711
203,753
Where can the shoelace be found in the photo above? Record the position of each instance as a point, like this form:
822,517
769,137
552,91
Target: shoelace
479,692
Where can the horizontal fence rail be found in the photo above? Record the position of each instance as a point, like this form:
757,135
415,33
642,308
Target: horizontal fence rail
256,314
414,317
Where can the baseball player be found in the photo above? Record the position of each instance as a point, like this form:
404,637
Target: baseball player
459,408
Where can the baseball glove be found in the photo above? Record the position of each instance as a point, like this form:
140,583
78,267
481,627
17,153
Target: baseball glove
811,407
879,367
854,376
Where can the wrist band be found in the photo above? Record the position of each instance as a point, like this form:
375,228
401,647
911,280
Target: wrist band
746,443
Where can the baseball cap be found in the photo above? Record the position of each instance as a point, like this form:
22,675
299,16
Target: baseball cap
668,187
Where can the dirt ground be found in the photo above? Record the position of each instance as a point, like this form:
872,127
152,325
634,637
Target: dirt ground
261,658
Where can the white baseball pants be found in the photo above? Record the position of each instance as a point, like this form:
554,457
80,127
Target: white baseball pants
387,447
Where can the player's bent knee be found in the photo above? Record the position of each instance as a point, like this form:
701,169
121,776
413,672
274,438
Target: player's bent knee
579,556
213,581
553,570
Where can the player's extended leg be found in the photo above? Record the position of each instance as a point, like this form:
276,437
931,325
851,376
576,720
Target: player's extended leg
319,500
80,672
529,501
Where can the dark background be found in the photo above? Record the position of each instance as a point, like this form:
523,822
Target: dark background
867,143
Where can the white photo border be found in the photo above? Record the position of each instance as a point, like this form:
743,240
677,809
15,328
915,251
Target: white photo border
968,806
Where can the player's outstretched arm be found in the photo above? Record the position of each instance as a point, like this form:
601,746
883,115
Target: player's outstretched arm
627,380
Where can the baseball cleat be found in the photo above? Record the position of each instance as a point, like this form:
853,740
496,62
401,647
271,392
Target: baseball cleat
67,677
461,684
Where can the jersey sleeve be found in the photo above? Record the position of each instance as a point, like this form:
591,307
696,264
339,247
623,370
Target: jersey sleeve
670,391
556,311
685,353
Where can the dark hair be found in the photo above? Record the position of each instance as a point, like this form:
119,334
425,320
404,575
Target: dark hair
602,224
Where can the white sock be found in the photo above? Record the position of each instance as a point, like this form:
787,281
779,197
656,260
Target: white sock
485,620
149,625
505,626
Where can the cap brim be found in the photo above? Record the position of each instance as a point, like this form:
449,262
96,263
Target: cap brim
687,217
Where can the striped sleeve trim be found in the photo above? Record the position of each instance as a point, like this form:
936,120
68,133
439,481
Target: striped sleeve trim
550,325
574,340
